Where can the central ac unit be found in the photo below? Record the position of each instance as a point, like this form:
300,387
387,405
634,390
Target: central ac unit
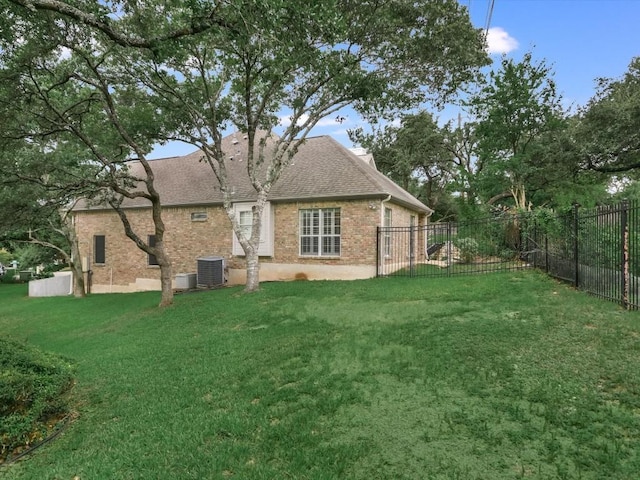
210,271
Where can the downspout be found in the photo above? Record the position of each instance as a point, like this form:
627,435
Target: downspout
425,229
382,209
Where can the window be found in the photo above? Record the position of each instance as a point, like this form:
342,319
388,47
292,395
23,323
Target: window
245,219
244,214
99,249
387,231
320,232
151,259
199,216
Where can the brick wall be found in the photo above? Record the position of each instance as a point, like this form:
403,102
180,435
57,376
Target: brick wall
186,240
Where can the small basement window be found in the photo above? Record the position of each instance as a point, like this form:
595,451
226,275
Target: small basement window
198,216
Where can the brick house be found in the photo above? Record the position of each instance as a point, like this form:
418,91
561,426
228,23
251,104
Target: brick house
320,221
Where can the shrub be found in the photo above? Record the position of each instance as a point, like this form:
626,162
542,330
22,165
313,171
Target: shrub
8,276
468,249
33,392
506,255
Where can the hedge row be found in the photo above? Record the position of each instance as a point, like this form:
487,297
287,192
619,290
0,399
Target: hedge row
34,388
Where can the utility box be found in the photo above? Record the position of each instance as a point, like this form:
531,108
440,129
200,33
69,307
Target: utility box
186,281
210,271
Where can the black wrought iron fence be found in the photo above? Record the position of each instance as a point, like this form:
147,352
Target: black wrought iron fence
596,250
491,244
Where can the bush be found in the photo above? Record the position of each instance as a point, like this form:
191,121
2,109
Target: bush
8,276
468,249
33,394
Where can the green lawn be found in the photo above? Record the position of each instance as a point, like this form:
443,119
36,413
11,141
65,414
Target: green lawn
499,376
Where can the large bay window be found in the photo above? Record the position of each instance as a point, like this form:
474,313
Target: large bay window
320,232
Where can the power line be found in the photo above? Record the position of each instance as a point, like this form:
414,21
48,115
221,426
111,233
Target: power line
489,15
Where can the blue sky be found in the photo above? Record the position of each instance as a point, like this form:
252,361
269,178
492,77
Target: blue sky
581,39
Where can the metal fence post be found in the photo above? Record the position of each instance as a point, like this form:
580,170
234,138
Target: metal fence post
576,226
378,266
624,232
412,248
546,252
449,250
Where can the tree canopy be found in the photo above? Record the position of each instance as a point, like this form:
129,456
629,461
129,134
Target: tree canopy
517,107
518,148
607,133
147,72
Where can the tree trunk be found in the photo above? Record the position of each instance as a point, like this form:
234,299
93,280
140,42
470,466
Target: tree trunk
519,193
75,261
164,263
167,288
78,279
253,271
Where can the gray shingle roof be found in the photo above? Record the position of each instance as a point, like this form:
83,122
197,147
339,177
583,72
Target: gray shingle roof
321,169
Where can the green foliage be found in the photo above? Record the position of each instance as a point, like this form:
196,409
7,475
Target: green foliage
5,257
606,134
494,235
30,255
33,394
517,108
9,276
468,247
414,155
137,75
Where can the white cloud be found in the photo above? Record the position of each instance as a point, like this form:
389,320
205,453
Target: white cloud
499,41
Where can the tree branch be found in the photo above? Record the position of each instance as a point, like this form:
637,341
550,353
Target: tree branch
105,25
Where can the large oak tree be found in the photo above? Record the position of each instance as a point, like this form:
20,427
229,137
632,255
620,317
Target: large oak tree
607,133
206,67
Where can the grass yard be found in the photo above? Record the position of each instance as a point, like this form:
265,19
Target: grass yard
500,376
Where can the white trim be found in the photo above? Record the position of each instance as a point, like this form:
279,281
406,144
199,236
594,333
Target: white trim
266,233
321,236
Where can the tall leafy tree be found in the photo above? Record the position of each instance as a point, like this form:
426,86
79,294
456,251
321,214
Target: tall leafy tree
376,56
208,66
415,155
85,124
35,207
461,141
517,106
607,135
